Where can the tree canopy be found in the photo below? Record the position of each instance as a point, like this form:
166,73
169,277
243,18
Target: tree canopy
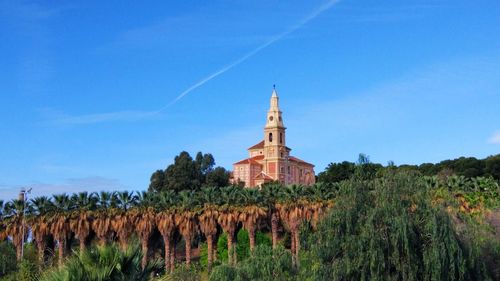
468,167
187,173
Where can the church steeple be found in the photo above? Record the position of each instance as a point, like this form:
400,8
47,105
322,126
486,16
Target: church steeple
274,118
274,131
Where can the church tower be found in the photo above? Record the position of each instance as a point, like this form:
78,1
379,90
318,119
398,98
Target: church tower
270,160
275,150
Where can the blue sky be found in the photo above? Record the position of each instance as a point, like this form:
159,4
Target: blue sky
93,93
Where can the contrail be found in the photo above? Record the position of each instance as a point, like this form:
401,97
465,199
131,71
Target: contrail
271,41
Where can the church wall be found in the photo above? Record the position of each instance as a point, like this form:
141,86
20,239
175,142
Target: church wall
255,152
242,172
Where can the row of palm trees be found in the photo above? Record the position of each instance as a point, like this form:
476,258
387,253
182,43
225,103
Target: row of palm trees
107,217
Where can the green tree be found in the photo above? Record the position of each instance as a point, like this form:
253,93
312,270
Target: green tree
336,172
157,181
389,230
492,166
187,173
217,177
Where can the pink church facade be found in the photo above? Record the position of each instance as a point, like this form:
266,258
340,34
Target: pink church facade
270,159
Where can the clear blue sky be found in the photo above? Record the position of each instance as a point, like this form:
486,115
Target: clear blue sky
82,83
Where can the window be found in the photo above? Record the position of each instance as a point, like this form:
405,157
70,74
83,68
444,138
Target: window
289,170
270,137
281,139
282,169
281,154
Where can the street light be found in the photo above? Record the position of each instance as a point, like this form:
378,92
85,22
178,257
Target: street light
24,193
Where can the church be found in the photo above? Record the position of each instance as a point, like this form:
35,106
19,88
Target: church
270,159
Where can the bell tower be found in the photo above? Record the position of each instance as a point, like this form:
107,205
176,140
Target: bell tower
275,150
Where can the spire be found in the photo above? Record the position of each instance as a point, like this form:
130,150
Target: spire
274,100
274,91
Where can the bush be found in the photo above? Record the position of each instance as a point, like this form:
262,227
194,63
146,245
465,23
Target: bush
104,263
242,246
265,264
7,258
183,273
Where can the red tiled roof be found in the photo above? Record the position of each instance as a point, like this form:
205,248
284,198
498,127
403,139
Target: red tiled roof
295,159
261,145
252,160
257,146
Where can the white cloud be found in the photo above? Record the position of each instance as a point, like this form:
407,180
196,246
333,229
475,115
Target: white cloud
72,185
495,138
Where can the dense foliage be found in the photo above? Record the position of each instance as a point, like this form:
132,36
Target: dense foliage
468,167
389,229
104,263
187,173
265,264
398,225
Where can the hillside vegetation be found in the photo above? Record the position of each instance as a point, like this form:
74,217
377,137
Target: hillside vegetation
395,225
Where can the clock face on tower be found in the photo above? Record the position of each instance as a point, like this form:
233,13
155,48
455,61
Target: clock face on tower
271,118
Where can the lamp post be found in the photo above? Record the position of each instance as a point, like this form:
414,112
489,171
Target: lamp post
24,195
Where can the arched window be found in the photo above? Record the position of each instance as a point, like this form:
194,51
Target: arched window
270,137
281,137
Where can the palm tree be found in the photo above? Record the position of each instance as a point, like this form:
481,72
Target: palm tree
59,223
105,263
165,221
251,213
292,212
208,220
101,223
38,221
121,221
14,214
228,218
185,219
271,193
320,199
81,220
143,217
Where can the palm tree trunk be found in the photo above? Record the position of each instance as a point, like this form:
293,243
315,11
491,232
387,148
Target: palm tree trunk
274,228
41,251
172,257
62,246
292,246
19,251
235,254
230,248
166,241
123,244
188,250
210,242
144,243
214,251
102,241
297,247
82,244
251,237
